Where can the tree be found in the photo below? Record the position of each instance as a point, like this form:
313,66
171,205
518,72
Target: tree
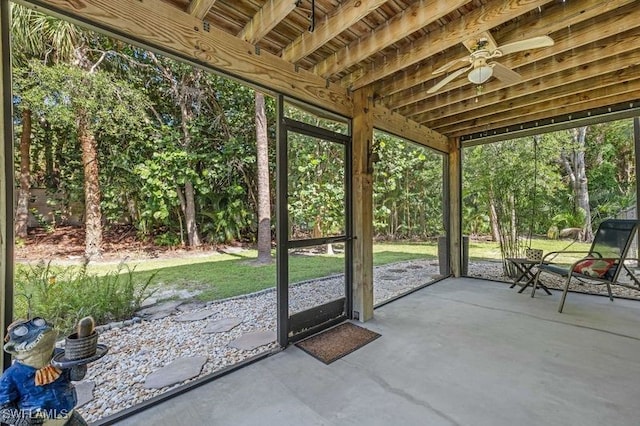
35,36
573,160
264,199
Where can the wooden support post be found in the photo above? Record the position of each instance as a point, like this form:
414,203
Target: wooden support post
636,145
6,179
455,207
363,205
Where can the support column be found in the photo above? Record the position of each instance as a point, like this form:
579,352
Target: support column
362,205
636,145
455,207
6,179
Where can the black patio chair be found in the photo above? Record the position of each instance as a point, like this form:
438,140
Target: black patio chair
604,261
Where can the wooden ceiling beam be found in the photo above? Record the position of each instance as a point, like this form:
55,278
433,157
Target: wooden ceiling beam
386,120
574,66
573,47
401,90
415,17
576,102
200,8
266,19
492,14
335,23
531,103
165,29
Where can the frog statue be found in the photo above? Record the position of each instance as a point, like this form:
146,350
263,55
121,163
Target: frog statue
32,391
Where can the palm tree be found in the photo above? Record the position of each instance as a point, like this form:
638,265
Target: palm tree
38,37
50,41
264,202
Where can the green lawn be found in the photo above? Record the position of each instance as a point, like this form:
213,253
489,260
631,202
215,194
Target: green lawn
216,276
224,275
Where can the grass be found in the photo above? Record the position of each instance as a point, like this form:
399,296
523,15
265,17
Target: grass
225,275
489,250
218,275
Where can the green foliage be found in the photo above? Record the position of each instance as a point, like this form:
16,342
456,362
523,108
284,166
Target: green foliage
63,295
408,198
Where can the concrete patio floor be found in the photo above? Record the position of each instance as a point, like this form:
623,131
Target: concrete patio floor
461,352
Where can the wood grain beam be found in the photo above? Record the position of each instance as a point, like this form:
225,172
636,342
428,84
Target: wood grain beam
454,234
482,19
415,17
362,206
559,71
163,27
386,120
160,26
200,8
573,47
595,83
411,87
336,22
266,19
577,102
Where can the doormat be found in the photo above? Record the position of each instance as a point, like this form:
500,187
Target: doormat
337,342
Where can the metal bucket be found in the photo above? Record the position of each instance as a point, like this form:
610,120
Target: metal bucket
80,347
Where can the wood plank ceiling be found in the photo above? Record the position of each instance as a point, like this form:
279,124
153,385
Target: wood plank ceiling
394,46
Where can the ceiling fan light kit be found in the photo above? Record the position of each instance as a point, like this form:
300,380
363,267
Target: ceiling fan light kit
481,53
480,74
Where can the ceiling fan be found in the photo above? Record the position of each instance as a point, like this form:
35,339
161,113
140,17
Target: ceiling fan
481,69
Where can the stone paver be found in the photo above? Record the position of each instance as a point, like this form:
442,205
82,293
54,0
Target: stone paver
253,340
176,372
84,391
159,315
221,326
195,316
156,309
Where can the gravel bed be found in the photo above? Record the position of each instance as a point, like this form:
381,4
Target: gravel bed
138,349
141,348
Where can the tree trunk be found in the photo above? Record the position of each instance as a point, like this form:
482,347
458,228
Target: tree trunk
22,209
264,201
581,184
92,196
190,215
189,206
493,217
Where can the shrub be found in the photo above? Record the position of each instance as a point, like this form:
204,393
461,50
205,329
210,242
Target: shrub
64,295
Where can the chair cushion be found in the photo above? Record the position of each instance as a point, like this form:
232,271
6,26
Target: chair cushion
594,267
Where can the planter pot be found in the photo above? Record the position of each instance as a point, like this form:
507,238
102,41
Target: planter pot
80,347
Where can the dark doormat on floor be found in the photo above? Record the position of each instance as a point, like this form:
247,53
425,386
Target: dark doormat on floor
337,342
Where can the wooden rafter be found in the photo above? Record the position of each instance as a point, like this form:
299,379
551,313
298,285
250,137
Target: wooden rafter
266,19
339,20
531,102
566,80
568,40
575,102
200,8
492,14
412,19
558,16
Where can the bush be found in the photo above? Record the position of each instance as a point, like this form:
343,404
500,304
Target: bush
64,295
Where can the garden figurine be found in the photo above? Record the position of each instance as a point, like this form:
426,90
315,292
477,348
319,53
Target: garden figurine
32,390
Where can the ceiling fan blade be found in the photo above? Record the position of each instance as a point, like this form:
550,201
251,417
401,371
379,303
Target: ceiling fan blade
448,78
450,64
506,75
530,43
